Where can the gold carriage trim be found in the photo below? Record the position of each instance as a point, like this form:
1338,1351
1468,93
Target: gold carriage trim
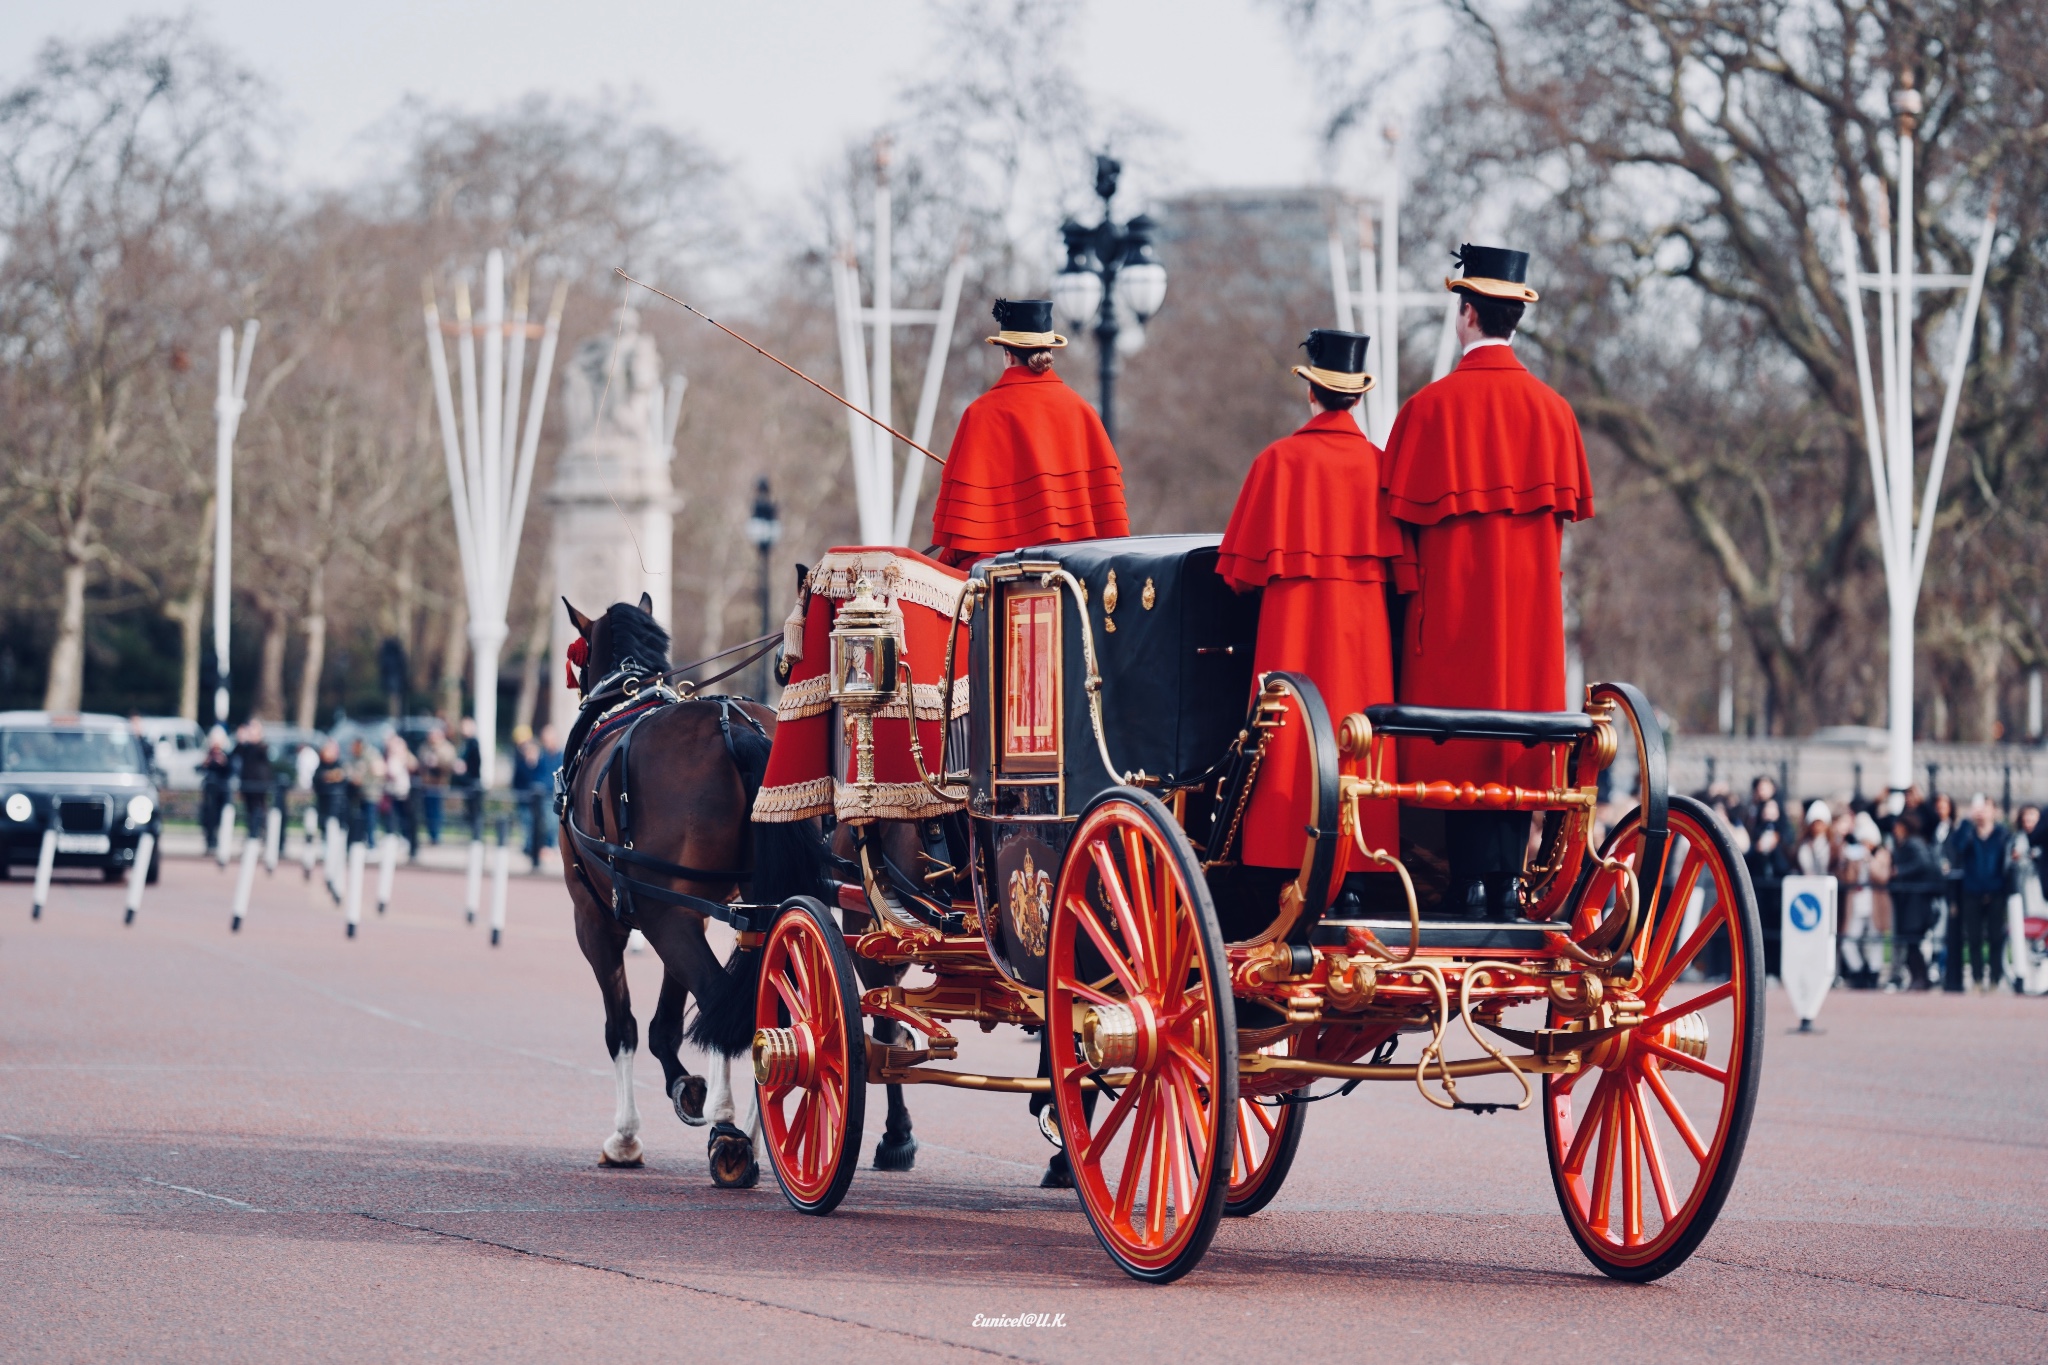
857,805
797,801
811,697
893,577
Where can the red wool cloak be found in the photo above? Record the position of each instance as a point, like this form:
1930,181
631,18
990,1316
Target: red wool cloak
1483,466
1312,529
1030,465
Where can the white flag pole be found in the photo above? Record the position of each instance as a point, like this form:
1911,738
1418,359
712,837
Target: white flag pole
489,499
227,413
928,400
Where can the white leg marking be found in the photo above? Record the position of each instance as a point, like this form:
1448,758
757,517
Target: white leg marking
623,1146
718,1102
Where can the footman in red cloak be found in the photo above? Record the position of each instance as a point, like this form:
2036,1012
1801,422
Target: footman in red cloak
1311,528
1030,462
1484,466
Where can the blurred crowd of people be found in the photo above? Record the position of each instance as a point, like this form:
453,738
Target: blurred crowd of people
392,789
1924,891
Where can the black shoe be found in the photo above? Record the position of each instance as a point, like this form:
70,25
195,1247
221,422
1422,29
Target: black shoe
1504,898
1467,901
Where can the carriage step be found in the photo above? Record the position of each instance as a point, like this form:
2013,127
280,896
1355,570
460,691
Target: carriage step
1487,935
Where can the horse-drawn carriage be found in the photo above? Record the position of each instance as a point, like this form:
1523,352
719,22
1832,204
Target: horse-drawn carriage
1084,881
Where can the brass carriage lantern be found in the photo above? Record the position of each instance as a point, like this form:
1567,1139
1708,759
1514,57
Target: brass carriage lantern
864,668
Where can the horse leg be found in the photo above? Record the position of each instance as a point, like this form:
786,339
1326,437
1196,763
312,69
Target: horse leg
731,1149
679,940
665,1037
897,1151
603,944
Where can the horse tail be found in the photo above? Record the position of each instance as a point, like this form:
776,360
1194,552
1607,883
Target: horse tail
789,860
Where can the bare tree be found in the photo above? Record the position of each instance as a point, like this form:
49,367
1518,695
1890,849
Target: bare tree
114,157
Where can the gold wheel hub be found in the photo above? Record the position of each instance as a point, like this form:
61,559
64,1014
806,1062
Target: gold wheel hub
1687,1034
1120,1037
785,1056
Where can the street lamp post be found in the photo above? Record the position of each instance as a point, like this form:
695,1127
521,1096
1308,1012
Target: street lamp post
764,528
1108,264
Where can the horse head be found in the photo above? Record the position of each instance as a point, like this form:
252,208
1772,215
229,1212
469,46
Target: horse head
624,632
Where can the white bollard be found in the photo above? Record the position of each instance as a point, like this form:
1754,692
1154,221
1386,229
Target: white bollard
45,860
387,868
224,835
473,891
501,869
273,837
145,849
243,882
337,855
309,842
358,859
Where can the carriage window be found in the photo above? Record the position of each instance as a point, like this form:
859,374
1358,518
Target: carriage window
1031,680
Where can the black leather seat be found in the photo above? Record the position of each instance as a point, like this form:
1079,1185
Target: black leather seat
1441,723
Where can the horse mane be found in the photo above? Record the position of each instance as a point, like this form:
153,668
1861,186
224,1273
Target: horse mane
635,634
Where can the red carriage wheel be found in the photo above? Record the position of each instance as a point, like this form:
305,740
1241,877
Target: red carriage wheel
1137,993
1645,1140
1268,1132
810,1057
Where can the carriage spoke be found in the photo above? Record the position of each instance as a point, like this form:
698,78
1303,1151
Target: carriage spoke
1141,884
1134,1154
1197,1141
1674,919
1598,1217
1596,1108
1686,1132
1156,1195
1099,1140
1692,1064
1114,892
1246,1162
1093,996
1631,1176
1685,1007
1197,1065
1085,913
1653,1154
791,1001
1667,972
1271,1123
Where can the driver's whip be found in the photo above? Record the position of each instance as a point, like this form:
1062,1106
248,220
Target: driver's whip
937,459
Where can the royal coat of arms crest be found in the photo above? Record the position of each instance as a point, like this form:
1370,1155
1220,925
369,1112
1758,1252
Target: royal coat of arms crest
1031,906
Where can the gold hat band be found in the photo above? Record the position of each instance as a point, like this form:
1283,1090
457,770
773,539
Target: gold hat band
1029,341
1336,381
1497,289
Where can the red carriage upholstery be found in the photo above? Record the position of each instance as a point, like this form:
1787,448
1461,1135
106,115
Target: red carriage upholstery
800,782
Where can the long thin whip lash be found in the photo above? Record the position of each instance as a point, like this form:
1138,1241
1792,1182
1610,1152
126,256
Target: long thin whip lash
936,459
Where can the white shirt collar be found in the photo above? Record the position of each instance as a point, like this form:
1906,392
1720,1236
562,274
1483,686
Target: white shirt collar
1472,346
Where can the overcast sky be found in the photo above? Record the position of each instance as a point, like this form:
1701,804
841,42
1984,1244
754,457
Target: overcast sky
774,86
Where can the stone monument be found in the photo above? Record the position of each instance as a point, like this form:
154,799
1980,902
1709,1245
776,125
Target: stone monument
613,498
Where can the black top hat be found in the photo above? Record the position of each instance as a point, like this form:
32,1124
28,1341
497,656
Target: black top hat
1336,360
1025,324
1495,271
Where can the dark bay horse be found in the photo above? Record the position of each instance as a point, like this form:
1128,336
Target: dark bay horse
680,797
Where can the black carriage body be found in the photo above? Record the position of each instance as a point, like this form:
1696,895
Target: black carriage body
1173,648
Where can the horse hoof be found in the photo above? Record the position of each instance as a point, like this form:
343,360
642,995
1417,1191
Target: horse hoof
687,1094
732,1159
896,1154
1058,1176
626,1156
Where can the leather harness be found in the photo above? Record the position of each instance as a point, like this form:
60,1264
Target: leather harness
627,691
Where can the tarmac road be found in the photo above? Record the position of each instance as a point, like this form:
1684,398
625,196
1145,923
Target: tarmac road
282,1144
